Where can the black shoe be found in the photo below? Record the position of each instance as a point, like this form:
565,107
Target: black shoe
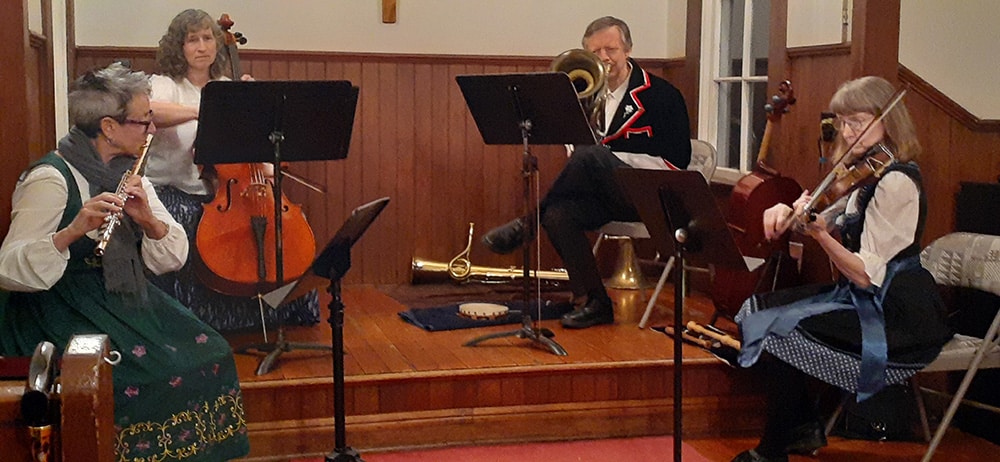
507,238
807,439
595,312
751,455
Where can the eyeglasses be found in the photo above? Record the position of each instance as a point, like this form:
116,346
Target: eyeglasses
144,123
856,125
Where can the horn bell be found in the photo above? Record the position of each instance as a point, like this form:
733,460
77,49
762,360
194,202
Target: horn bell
589,76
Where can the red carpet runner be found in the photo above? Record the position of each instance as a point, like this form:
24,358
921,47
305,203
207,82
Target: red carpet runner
645,449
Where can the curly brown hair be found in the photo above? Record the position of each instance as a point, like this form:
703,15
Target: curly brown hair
170,54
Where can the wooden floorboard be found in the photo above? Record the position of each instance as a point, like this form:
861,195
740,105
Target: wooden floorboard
406,387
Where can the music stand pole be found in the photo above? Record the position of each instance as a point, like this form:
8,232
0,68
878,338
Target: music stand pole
683,220
539,108
529,330
680,236
341,452
333,263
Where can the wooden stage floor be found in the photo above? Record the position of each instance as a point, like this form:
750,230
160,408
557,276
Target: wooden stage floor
406,387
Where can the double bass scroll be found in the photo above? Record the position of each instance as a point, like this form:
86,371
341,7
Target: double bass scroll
752,194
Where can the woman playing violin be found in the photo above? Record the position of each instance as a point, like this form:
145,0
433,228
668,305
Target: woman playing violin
188,55
883,320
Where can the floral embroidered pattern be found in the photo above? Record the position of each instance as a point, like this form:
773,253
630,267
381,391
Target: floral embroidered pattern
184,434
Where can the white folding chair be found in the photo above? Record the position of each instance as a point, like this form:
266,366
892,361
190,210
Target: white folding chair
958,260
964,260
703,160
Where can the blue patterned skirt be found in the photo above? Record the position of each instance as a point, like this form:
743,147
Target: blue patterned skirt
222,312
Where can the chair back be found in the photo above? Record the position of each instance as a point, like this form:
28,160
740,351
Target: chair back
703,158
965,260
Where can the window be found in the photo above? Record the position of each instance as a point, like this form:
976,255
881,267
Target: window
733,92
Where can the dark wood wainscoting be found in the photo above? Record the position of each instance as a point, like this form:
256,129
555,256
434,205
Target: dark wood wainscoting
415,142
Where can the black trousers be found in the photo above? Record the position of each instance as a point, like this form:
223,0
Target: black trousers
789,403
584,197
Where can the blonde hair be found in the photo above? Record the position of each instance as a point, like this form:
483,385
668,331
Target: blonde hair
870,94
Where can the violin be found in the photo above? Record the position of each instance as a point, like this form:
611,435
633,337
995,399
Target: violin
237,238
862,172
848,175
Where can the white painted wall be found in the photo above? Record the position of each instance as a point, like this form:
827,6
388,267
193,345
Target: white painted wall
953,45
463,27
61,77
814,22
35,16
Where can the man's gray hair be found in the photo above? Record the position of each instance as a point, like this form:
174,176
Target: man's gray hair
600,24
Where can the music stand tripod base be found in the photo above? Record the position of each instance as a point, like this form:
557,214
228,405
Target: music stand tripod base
274,350
540,337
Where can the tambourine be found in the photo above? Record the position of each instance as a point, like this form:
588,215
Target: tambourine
482,311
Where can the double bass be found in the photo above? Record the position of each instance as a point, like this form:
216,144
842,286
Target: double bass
752,194
237,235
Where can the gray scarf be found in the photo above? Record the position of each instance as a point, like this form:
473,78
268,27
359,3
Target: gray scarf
123,266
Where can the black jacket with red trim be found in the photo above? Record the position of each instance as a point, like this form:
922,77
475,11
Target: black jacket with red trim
651,119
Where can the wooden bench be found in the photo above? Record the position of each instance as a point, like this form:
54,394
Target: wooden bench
84,401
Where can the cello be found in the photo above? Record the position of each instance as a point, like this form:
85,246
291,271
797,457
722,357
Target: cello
752,194
237,236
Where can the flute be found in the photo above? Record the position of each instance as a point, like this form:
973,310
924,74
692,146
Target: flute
112,221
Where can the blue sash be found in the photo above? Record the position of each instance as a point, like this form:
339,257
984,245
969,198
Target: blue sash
782,320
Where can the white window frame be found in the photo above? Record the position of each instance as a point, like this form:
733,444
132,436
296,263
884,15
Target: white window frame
708,101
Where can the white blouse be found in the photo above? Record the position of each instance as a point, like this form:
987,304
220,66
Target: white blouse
29,260
890,222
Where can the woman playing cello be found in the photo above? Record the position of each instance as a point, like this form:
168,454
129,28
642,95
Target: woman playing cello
883,321
189,58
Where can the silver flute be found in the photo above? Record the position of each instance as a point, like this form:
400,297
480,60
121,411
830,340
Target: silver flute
112,221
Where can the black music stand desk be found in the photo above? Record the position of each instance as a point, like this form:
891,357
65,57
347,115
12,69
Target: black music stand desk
274,122
524,109
683,220
333,264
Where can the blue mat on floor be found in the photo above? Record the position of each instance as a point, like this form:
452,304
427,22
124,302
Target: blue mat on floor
447,317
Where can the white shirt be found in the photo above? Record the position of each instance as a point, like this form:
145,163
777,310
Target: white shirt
171,155
890,222
29,260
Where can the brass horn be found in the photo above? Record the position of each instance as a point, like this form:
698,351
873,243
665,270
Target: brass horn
432,271
589,76
461,269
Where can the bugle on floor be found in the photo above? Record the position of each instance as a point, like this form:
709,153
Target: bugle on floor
461,269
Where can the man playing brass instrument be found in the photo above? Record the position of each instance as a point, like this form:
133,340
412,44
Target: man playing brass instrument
647,126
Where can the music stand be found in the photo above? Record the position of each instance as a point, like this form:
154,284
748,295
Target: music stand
683,220
274,122
524,109
333,264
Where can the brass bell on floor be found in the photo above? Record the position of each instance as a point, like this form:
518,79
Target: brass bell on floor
627,274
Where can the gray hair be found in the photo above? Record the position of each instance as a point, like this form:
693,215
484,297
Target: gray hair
104,93
600,24
870,94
